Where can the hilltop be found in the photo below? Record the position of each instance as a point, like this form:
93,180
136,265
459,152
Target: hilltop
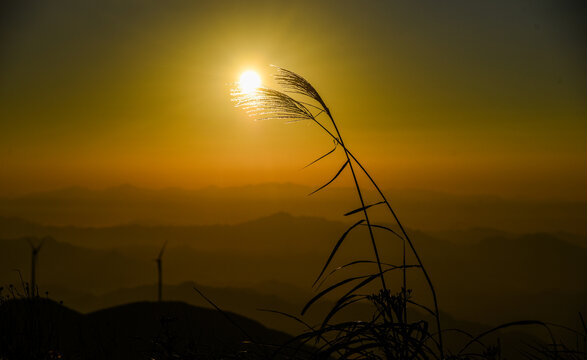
37,328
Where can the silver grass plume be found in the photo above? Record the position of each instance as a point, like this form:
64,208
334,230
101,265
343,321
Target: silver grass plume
267,104
296,84
264,103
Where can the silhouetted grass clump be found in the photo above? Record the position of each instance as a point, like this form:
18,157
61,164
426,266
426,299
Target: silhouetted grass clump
390,333
31,327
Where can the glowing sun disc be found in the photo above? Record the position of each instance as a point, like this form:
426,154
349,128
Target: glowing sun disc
249,81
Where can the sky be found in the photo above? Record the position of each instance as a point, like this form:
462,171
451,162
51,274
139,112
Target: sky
483,97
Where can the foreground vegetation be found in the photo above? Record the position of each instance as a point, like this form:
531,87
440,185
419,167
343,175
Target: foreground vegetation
390,333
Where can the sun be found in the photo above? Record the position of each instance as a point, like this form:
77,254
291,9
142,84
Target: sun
249,81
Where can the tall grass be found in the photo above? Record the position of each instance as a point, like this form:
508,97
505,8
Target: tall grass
389,333
265,103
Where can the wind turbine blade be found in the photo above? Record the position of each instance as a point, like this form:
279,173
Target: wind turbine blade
162,250
42,242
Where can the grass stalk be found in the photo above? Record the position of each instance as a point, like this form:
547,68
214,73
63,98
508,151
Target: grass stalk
265,103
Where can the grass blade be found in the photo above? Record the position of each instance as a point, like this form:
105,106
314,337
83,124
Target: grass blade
342,303
363,208
331,180
230,319
335,249
323,156
506,325
329,289
387,229
389,267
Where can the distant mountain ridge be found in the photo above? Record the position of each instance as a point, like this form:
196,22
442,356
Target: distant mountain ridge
426,210
544,270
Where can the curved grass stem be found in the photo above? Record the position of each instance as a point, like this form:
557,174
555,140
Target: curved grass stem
267,103
406,238
360,194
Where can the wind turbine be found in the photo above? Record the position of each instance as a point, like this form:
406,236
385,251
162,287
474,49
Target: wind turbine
34,252
159,270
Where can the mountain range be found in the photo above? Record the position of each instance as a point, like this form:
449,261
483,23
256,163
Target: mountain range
486,279
419,209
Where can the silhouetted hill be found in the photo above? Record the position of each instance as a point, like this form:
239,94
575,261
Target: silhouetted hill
137,330
420,209
176,327
244,301
530,276
248,301
34,329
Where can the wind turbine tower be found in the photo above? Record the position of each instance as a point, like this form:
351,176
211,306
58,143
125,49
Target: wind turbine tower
159,271
34,253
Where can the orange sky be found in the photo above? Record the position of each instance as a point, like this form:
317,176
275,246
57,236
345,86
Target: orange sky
484,97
